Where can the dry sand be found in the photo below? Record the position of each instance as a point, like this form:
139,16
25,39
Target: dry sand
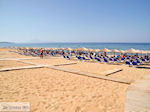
5,49
8,64
97,68
131,73
6,54
128,73
55,91
83,66
51,61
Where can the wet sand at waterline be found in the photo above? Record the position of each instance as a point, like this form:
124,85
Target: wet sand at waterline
50,90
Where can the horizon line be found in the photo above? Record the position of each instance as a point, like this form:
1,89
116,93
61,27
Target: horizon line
67,42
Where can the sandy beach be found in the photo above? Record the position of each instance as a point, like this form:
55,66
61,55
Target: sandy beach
50,90
75,56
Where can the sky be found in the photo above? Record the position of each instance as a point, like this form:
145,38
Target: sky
75,20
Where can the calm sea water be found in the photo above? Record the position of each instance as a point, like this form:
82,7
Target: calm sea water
121,46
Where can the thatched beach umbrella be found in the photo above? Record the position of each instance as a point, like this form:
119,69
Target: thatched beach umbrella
122,51
139,52
49,48
96,50
62,48
148,52
78,49
27,48
82,49
115,51
45,48
145,52
90,50
99,50
34,48
105,51
53,48
69,49
133,51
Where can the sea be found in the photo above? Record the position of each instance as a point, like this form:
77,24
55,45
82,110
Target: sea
92,45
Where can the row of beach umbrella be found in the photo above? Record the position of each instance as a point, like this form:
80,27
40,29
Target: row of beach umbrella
134,51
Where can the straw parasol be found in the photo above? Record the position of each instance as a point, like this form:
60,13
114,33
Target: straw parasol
49,48
82,49
100,50
145,52
69,49
115,51
90,50
148,52
122,51
62,48
132,51
105,50
53,48
96,50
